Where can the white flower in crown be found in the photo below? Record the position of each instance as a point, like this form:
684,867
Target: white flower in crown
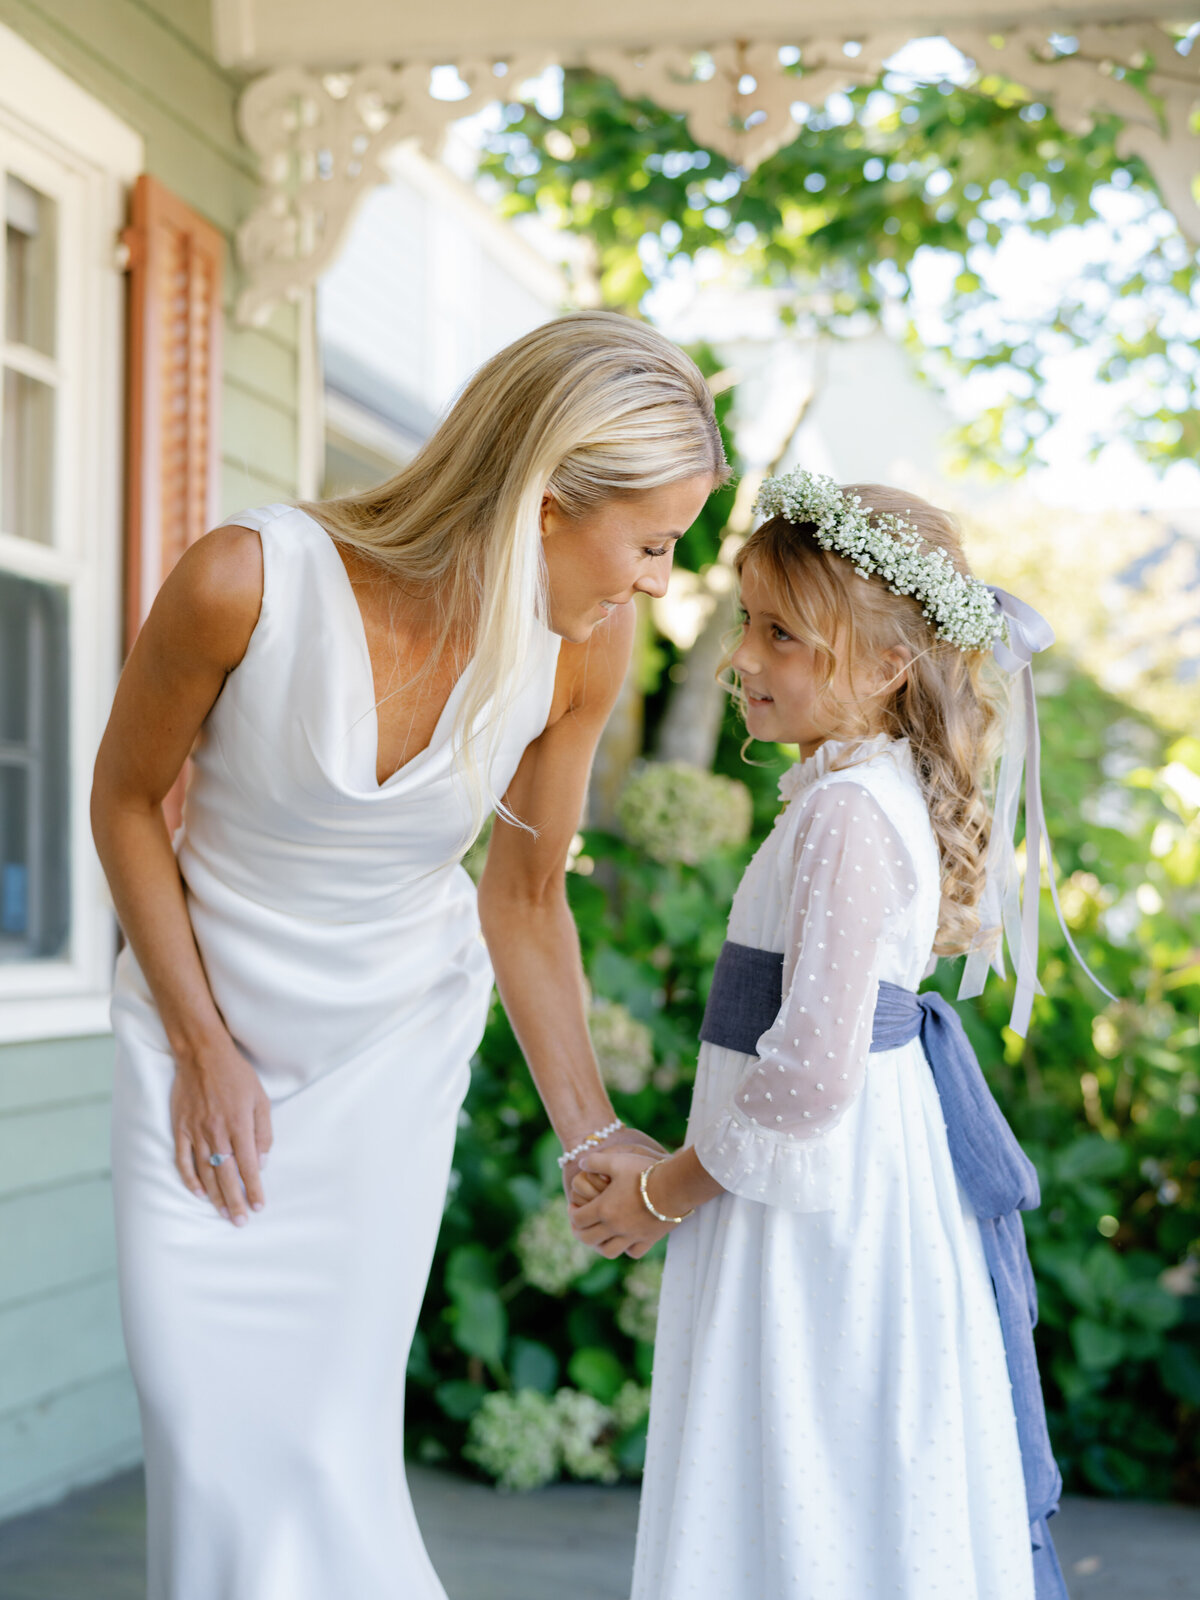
959,609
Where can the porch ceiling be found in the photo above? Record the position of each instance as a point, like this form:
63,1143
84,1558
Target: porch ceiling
261,34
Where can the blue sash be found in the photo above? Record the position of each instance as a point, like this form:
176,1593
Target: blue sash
997,1177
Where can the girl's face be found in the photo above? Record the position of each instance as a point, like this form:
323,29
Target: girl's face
782,678
624,547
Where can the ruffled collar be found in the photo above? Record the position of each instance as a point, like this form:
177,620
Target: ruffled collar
840,753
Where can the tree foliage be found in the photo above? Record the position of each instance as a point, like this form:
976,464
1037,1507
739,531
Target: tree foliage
876,181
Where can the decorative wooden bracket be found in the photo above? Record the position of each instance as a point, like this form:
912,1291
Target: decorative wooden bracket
320,139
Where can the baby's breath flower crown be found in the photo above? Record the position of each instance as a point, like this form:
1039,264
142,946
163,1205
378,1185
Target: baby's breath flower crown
960,609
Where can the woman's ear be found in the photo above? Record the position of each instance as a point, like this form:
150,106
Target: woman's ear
550,514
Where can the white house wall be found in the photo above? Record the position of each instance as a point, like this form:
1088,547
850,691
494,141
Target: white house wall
428,286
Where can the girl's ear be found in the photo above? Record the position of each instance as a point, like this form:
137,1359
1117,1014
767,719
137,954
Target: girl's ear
893,669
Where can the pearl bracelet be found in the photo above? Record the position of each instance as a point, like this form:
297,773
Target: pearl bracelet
650,1206
589,1143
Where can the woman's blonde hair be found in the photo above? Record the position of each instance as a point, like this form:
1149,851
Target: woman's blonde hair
591,407
948,706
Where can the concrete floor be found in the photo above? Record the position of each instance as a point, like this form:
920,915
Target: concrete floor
570,1540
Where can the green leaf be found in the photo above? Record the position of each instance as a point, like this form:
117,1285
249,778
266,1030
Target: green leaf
1150,1306
460,1400
480,1323
597,1372
470,1266
528,1194
1180,1367
545,1155
601,1275
1106,1271
532,1365
1090,1157
1097,1347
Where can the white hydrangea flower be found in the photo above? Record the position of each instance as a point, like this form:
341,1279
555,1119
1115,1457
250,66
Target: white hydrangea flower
551,1256
515,1438
676,812
624,1046
637,1315
631,1405
582,1423
959,609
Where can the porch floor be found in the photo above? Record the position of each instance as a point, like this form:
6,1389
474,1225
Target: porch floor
571,1539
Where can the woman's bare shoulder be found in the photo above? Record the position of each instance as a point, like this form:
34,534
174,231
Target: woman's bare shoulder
213,595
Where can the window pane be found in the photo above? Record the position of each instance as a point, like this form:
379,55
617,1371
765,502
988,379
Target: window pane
27,471
30,274
34,798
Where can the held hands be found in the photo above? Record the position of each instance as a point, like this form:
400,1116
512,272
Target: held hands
219,1107
607,1210
626,1138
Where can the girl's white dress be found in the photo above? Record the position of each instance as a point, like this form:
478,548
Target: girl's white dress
831,1416
342,946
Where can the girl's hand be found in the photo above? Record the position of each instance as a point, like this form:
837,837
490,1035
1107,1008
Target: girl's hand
586,1186
219,1107
616,1221
624,1138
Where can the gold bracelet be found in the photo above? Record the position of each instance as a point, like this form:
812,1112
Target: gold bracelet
649,1204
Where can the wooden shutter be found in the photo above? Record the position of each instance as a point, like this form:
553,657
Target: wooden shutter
174,259
175,263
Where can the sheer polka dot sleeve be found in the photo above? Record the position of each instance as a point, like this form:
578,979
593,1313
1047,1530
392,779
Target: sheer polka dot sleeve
851,878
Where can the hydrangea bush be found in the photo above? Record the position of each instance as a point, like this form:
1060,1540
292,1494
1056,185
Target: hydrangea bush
551,1256
674,812
624,1046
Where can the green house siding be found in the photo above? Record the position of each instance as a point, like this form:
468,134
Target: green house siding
67,1408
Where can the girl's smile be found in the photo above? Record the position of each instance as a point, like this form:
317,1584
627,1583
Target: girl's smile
789,694
786,697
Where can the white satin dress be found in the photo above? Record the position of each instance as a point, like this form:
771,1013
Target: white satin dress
346,958
831,1416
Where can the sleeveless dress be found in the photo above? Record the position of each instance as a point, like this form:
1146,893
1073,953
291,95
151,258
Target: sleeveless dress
831,1416
345,955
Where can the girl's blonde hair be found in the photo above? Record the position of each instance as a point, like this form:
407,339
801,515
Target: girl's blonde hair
591,407
948,707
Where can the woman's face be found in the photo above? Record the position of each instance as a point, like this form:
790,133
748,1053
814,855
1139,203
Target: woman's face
599,561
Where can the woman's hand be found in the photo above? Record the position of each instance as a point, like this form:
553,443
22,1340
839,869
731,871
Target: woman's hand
626,1138
616,1222
219,1107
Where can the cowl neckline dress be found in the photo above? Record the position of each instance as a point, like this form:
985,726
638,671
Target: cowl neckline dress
341,942
831,1416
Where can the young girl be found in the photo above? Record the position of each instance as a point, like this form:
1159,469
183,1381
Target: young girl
835,1415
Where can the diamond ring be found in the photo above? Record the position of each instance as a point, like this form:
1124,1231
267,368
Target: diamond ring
215,1161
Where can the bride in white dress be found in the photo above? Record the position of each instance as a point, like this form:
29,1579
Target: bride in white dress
359,683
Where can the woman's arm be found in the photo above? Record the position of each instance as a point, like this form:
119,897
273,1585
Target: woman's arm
523,908
196,633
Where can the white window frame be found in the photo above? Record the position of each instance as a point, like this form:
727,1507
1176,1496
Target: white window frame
66,143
